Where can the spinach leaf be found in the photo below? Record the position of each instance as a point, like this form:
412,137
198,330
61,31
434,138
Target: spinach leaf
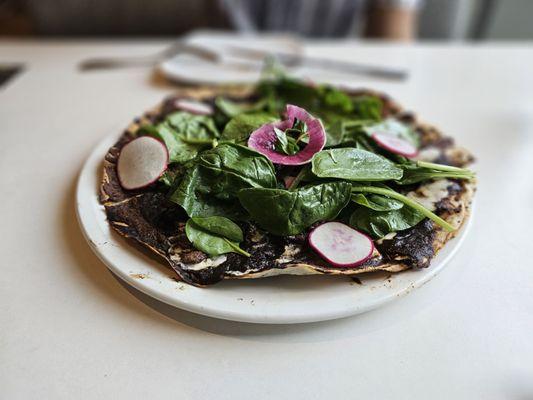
368,107
284,212
423,171
338,100
335,104
191,127
379,215
282,91
231,108
335,133
376,202
285,144
209,187
321,100
238,166
184,134
194,193
349,133
239,128
354,164
173,172
385,191
380,223
287,141
210,242
220,226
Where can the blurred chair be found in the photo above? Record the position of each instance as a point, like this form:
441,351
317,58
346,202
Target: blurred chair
312,18
389,19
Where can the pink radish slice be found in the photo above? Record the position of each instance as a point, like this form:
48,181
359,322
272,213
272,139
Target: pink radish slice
395,144
194,107
141,162
263,139
293,112
341,245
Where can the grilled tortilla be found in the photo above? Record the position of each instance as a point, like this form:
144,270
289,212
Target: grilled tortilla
147,217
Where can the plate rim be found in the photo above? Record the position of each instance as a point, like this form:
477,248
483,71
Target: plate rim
90,232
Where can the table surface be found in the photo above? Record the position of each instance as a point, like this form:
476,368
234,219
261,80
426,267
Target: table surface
70,329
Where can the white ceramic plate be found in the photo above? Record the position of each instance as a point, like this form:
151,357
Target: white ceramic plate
283,299
231,69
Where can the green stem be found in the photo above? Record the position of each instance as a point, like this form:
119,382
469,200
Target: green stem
298,179
304,134
237,249
407,201
440,167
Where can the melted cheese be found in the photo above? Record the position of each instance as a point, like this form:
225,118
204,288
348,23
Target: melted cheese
429,195
429,154
207,263
289,252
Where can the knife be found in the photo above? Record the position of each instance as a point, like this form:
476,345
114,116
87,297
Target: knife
292,60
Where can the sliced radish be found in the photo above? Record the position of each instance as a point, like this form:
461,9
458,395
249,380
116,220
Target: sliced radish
293,112
263,139
193,107
341,245
395,144
141,162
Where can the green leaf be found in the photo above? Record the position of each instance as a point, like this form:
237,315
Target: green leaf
354,164
376,202
287,141
282,91
209,242
238,166
231,108
338,100
228,107
184,134
285,144
173,172
210,185
195,195
283,212
368,107
220,226
239,128
191,126
326,102
384,191
380,223
423,171
178,150
335,133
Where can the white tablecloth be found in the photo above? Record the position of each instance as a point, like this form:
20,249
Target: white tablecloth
69,329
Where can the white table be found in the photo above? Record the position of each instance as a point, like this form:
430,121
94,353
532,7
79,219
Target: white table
70,330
